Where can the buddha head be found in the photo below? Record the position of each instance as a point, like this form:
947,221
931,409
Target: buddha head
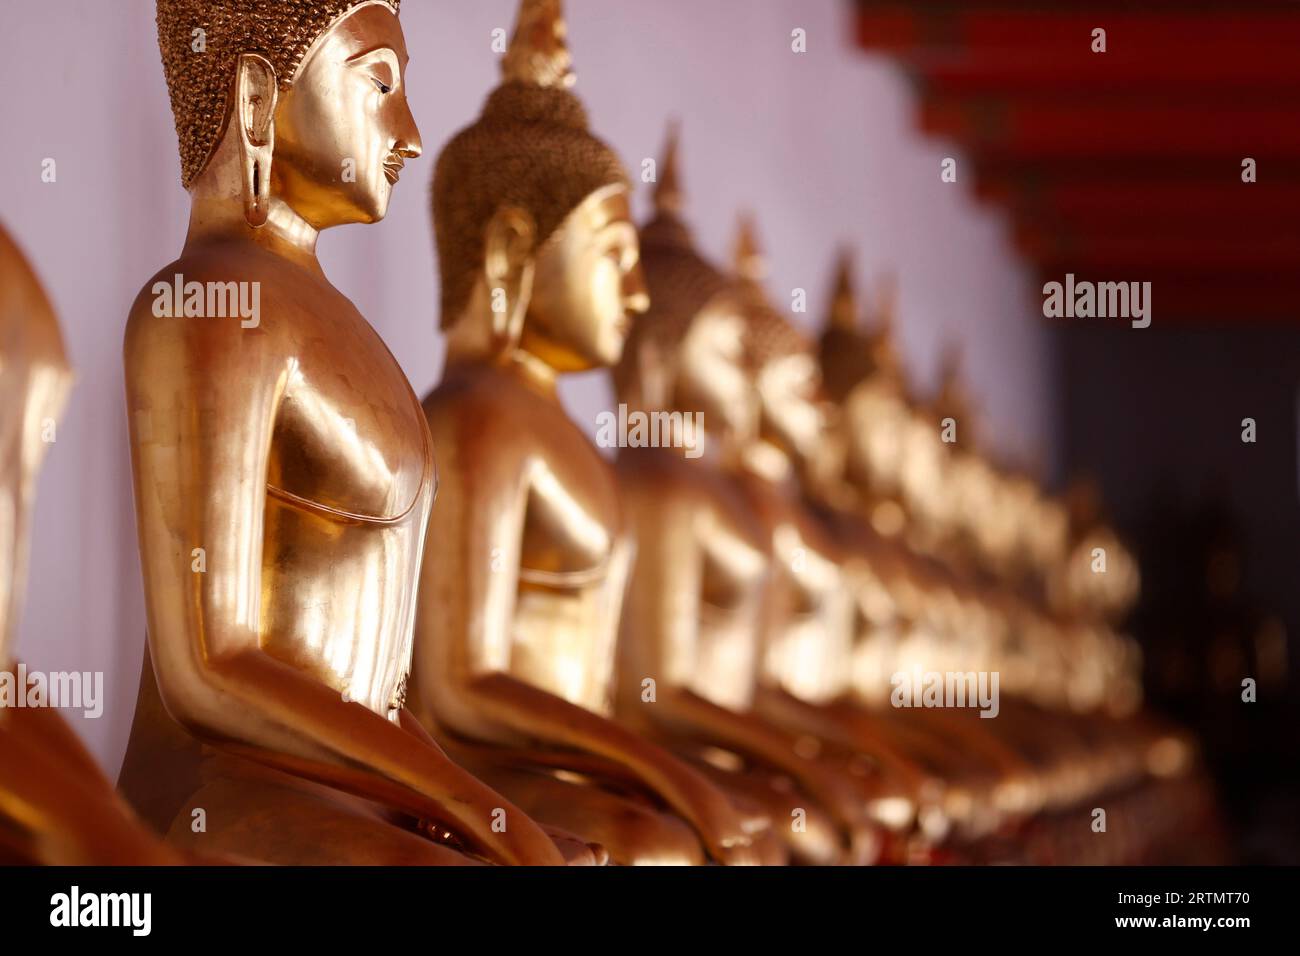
293,105
867,385
34,382
537,251
687,352
864,377
952,400
783,366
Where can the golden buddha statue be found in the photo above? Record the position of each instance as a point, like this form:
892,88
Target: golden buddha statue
904,602
1065,682
988,540
693,616
283,470
527,559
56,805
807,636
864,375
1097,576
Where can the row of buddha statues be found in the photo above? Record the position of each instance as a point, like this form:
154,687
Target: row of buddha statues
669,658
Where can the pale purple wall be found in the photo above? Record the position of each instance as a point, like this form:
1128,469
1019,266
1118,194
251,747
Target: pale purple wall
820,144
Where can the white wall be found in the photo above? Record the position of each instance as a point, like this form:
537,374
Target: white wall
821,145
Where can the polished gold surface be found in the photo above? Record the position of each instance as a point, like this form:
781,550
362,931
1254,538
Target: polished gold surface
283,481
35,379
821,587
56,805
805,637
694,613
527,557
688,656
961,583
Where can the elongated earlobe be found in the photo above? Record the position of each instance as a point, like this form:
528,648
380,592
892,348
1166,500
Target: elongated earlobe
508,263
256,95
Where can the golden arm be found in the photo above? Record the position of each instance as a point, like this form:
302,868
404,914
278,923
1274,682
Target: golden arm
202,402
57,808
670,562
469,583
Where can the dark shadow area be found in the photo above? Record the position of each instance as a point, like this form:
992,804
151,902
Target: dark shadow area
1156,416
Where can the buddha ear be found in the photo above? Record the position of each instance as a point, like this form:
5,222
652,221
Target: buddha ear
256,94
508,265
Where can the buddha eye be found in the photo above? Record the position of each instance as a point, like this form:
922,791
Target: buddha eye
383,87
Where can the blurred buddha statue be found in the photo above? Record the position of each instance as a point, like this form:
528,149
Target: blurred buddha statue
807,647
56,805
283,470
808,630
864,373
910,614
1098,576
978,517
990,542
1062,686
692,620
527,561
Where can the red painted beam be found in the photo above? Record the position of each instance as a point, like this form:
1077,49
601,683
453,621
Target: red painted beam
1224,247
1037,128
1177,299
1117,169
1193,253
908,29
1098,201
1155,223
1269,67
1179,294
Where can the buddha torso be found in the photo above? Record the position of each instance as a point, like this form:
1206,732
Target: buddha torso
56,806
669,498
349,488
867,566
34,383
808,634
349,471
561,523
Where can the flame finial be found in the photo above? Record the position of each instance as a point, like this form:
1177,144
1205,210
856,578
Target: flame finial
844,300
886,304
539,51
669,199
953,400
750,262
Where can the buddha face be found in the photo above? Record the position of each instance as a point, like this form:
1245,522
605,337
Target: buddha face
877,423
711,376
587,285
789,399
344,130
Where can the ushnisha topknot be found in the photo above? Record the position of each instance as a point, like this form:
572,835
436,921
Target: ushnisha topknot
769,335
530,148
200,82
952,399
680,282
847,353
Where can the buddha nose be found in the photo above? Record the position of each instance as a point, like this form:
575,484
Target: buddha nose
409,149
636,296
408,144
